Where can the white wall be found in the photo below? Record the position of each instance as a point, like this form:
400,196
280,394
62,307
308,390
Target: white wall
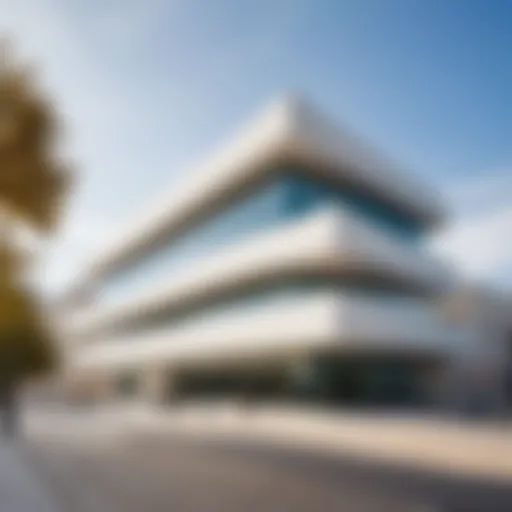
330,240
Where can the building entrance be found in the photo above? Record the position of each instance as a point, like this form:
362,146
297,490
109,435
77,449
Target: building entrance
348,380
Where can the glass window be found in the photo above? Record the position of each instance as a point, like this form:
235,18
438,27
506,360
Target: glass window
127,384
287,198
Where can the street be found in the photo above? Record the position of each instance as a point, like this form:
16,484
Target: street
131,470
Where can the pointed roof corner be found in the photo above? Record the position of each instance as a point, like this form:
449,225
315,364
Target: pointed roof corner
294,110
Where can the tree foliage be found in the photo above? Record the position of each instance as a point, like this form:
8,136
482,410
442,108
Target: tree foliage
33,187
33,180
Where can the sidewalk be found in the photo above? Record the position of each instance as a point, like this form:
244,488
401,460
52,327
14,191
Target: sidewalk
434,444
21,490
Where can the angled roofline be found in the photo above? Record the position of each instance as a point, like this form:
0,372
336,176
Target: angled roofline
289,128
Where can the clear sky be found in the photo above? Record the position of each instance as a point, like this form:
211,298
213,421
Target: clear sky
148,86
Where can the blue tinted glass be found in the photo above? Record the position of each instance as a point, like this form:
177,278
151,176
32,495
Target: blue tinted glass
258,211
304,194
283,200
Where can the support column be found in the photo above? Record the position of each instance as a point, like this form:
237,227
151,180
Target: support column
155,385
305,378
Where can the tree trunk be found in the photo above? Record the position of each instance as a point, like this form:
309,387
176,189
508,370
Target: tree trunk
9,407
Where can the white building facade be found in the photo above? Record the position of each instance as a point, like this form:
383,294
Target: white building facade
290,264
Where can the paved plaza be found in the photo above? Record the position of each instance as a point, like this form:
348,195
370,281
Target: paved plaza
235,459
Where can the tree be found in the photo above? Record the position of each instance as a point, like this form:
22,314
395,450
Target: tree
33,181
33,187
25,336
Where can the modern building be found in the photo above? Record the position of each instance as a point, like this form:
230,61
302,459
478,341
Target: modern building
289,264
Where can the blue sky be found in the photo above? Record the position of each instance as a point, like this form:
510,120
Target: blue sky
148,86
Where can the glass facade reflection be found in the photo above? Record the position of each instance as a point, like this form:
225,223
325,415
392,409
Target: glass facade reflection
285,199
